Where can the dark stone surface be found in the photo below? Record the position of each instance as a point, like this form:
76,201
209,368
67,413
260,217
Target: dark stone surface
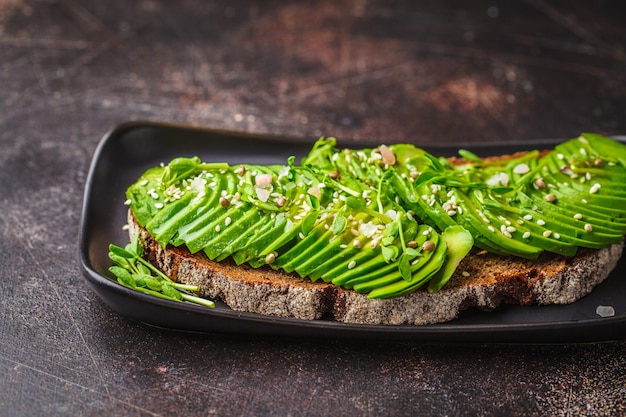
463,71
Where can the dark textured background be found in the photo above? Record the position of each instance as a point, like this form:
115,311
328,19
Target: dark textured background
421,72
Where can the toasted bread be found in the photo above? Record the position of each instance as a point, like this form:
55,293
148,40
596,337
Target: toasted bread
482,281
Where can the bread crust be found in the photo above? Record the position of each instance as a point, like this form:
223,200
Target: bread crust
482,281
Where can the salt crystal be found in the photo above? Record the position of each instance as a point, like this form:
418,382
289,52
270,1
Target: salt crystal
605,311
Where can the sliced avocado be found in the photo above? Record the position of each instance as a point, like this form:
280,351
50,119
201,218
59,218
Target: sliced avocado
403,287
368,269
458,242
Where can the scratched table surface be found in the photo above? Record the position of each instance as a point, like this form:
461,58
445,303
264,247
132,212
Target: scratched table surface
400,71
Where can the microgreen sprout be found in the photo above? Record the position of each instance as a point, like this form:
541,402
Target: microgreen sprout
134,272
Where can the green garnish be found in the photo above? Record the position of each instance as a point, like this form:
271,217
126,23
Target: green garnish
134,272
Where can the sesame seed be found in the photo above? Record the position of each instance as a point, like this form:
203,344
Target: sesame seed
270,258
521,169
594,189
428,246
127,202
550,198
557,236
541,222
227,221
491,228
465,274
511,229
588,228
584,200
539,183
352,264
143,183
224,202
528,217
451,213
301,235
217,228
158,205
578,216
526,235
547,233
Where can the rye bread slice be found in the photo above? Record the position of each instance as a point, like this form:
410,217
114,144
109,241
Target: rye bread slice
482,281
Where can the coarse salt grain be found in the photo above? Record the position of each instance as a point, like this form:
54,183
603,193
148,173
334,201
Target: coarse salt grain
605,311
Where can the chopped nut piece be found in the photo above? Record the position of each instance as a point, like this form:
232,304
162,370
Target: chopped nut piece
389,158
264,179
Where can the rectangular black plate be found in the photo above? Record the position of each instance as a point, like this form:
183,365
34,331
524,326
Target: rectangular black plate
128,150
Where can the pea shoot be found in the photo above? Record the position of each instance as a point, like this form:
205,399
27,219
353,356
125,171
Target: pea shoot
136,273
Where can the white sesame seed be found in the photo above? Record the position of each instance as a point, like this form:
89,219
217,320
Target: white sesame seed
127,202
578,216
270,258
451,213
301,235
584,200
557,236
594,189
540,222
217,228
158,205
491,228
588,228
352,264
227,221
521,169
528,217
511,229
356,243
143,183
526,235
547,233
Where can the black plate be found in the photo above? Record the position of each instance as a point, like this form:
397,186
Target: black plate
128,150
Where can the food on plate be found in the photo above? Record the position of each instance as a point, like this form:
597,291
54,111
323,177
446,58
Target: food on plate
385,235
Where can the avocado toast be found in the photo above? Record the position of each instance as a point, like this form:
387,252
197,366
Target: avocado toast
390,234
